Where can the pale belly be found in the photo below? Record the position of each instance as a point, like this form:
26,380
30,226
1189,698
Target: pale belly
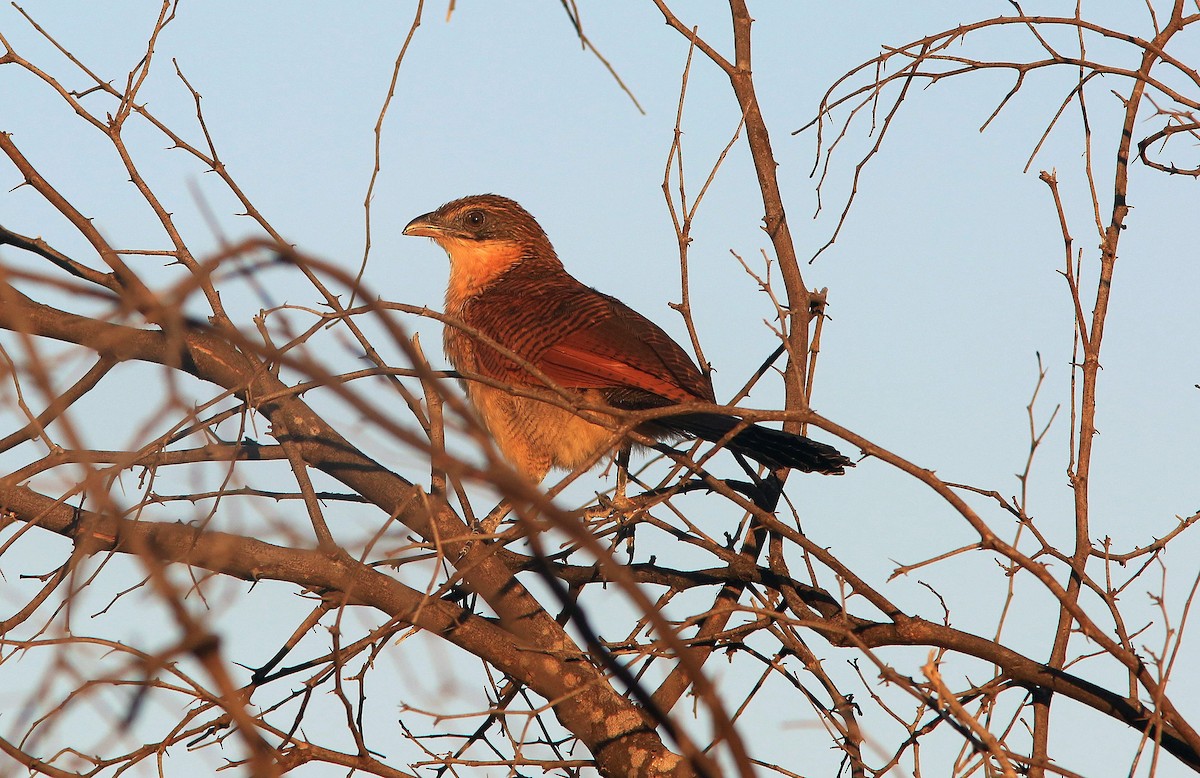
535,436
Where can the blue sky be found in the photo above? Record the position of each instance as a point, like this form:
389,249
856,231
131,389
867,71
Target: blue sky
944,284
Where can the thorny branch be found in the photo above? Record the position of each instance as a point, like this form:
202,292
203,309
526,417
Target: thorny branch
197,512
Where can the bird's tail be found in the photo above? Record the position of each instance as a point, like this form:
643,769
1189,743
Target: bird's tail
771,447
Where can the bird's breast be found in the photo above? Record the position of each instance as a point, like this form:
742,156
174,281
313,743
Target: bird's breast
474,265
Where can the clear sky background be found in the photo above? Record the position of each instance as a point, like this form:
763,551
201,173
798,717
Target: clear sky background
944,284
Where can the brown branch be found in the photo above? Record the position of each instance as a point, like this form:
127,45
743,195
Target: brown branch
613,738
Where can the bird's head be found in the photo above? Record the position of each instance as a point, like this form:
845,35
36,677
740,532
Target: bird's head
483,235
478,219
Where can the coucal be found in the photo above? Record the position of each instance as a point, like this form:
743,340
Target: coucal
507,283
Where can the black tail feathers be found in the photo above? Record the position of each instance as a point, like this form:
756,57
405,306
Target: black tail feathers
771,447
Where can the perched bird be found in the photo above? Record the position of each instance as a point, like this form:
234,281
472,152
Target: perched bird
507,283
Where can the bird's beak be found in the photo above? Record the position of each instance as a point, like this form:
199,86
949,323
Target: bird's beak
425,226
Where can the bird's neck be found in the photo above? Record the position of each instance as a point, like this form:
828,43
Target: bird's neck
474,265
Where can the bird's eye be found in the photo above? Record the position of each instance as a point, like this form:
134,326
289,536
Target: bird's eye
474,219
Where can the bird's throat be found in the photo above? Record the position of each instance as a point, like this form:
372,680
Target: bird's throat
474,264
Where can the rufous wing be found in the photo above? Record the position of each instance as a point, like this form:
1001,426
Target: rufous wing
578,337
625,352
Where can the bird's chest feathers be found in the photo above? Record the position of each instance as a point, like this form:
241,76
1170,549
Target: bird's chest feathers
473,265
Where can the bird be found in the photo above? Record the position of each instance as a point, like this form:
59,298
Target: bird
508,284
